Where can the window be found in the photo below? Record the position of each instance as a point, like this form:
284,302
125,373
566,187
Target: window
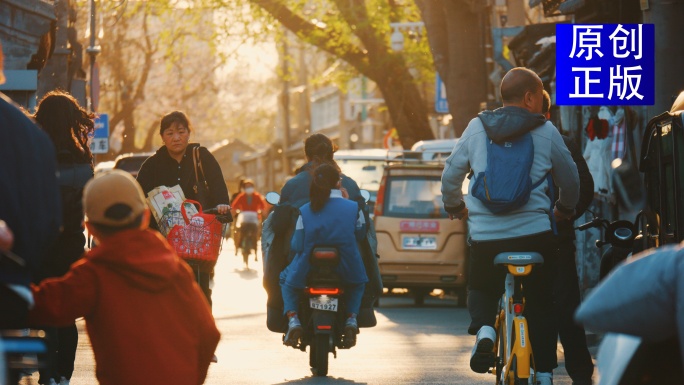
414,197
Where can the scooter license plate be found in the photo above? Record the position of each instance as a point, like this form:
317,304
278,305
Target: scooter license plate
323,303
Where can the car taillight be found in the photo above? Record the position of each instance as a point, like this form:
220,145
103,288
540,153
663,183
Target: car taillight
324,291
380,199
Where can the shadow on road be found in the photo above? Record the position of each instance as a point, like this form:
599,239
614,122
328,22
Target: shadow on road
247,273
321,380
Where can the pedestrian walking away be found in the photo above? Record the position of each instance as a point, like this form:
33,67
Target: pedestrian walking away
524,224
567,297
144,313
69,126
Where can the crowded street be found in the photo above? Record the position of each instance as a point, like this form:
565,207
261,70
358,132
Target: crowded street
410,345
341,192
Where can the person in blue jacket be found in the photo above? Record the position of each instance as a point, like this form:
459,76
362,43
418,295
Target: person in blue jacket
319,149
328,219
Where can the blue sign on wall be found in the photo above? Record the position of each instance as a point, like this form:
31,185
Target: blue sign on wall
605,64
441,104
100,142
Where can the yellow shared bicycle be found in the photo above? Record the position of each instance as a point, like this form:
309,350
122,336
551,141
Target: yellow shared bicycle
513,348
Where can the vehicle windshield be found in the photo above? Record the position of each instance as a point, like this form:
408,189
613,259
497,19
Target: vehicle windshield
415,197
366,173
132,164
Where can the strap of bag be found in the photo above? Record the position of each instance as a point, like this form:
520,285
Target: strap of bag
197,162
194,162
552,196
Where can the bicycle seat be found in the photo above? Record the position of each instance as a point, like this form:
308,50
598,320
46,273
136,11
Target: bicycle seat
521,258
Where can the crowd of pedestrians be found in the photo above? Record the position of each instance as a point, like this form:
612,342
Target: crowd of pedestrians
49,190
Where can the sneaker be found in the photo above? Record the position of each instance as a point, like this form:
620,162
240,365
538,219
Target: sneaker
64,381
544,378
52,382
294,331
482,357
351,329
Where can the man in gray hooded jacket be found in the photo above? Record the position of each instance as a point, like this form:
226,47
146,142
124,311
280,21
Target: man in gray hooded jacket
527,228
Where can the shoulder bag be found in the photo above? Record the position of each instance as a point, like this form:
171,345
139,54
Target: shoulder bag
201,188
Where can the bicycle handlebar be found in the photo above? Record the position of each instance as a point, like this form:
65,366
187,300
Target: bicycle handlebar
596,222
223,218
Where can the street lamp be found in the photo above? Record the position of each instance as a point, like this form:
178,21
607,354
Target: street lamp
93,50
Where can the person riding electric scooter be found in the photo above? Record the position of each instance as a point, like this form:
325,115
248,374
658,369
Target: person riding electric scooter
249,208
335,223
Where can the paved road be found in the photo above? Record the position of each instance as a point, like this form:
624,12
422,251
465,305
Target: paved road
410,345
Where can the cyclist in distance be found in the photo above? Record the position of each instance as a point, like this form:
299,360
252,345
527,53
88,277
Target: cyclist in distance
524,227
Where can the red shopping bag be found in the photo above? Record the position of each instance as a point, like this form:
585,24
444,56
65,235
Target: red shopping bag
197,239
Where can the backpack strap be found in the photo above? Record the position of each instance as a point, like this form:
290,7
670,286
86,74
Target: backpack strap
552,196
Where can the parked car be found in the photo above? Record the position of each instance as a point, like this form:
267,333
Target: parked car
365,166
438,149
104,166
131,162
420,248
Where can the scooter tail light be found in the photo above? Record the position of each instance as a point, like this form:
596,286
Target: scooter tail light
324,327
325,291
325,254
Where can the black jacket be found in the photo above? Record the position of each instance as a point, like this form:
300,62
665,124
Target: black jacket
70,244
162,170
586,195
29,194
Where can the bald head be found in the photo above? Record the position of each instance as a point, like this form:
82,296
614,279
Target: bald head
517,82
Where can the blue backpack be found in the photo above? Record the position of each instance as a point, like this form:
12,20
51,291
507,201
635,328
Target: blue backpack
505,185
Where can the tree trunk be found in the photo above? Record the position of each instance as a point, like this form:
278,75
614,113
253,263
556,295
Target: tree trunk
374,59
147,146
128,143
405,104
454,30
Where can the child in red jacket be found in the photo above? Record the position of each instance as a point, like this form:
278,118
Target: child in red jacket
147,319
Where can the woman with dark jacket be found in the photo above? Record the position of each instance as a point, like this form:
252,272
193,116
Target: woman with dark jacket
173,165
68,126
